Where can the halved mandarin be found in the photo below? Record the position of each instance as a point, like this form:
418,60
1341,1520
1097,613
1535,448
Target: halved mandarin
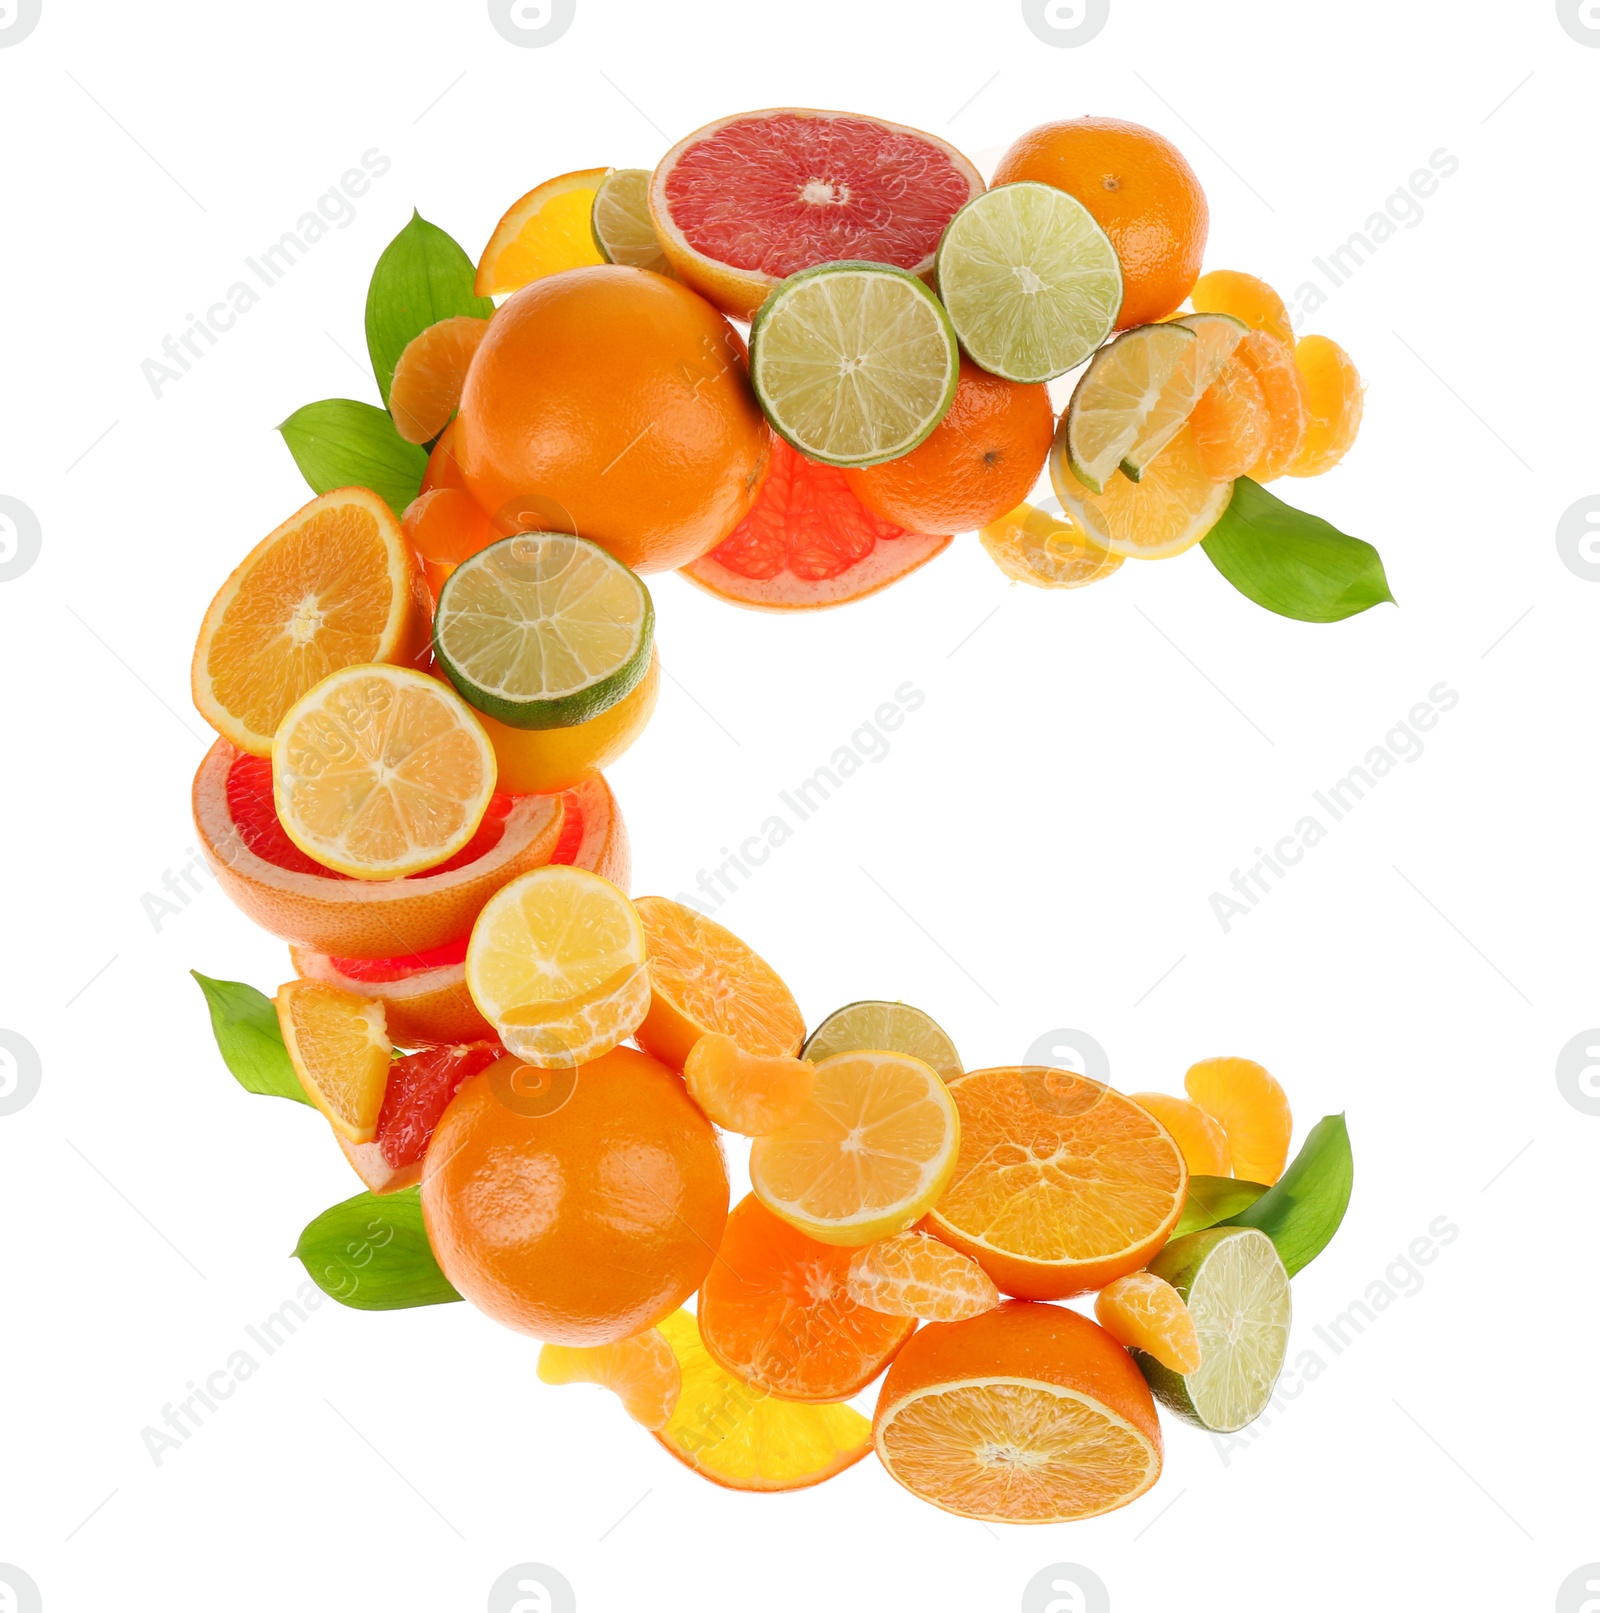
340,1050
1251,1108
1146,1313
642,1372
429,374
1203,1141
915,1274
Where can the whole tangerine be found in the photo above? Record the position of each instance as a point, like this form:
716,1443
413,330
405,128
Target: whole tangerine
616,404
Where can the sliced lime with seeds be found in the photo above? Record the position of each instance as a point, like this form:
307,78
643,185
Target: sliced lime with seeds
1115,396
1031,282
619,220
884,1027
543,630
1216,336
853,363
1237,1291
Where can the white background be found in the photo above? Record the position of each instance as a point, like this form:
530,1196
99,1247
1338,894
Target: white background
1036,853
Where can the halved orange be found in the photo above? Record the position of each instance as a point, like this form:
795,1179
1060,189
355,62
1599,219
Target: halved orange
1026,1414
542,233
1145,1312
1203,1141
775,1312
641,1371
336,585
429,374
1251,1108
340,1050
704,978
915,1274
1061,1183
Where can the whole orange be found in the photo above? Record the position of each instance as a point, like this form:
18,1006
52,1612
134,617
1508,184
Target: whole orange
980,461
613,403
1141,191
581,1206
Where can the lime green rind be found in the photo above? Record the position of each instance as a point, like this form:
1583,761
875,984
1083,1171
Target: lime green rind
619,221
1098,391
1149,445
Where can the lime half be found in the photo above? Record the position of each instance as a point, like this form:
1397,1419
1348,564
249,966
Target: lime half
1116,395
882,1027
853,363
543,630
1237,1291
620,222
1031,282
1216,336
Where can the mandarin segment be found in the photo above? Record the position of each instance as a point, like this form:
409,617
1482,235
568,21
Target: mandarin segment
1251,1107
642,1372
1033,546
1230,291
1272,364
1203,1141
1230,423
1334,403
745,1092
1146,1313
915,1274
428,376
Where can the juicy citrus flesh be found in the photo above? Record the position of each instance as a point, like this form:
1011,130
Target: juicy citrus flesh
890,1026
1334,404
704,978
869,1156
745,1092
556,964
334,586
340,1050
1115,396
1061,1184
914,1274
1203,1141
1046,550
543,630
1169,509
542,233
1230,423
380,772
854,363
1216,336
746,1439
428,376
1231,291
775,1310
1251,1107
642,1372
1146,1313
620,222
1030,280
1272,364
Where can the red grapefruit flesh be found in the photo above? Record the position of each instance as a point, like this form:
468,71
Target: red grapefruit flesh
750,199
809,542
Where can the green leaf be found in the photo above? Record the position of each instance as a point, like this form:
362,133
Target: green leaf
1291,562
341,443
1212,1199
245,1025
371,1253
422,277
1303,1210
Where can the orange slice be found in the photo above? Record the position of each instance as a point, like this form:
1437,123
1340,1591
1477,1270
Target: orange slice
334,586
1203,1141
745,1092
746,1439
1061,1184
704,978
429,375
913,1274
542,233
1251,1108
1230,291
641,1371
1272,364
1026,1414
379,772
1230,423
1334,403
340,1050
775,1311
1146,1313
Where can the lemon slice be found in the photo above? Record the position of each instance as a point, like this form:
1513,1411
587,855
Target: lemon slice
339,1047
620,220
1045,551
380,772
1115,396
872,1151
556,964
1216,336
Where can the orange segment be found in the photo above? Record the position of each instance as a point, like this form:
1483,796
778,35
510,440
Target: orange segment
334,586
1272,364
542,233
1061,1184
1026,1414
913,1274
1230,291
340,1050
1145,1313
746,1439
1230,423
1334,401
775,1311
428,376
1203,1141
641,1371
1252,1108
744,1092
445,527
704,978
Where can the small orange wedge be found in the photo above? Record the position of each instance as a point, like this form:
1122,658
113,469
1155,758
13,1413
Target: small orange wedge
745,1092
429,374
1230,423
1334,401
641,1371
1251,1108
1203,1141
1146,1313
340,1050
1231,291
914,1274
1272,364
542,233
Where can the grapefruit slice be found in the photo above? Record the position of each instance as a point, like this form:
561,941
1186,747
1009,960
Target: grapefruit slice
809,542
823,186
